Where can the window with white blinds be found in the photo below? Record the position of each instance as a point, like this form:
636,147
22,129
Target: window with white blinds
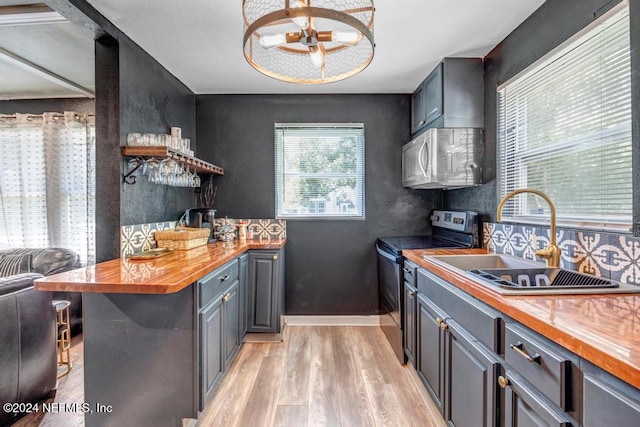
319,170
564,127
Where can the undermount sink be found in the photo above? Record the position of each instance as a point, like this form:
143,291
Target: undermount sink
509,275
480,262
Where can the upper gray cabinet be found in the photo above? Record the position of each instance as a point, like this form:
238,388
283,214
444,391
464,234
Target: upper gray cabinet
451,96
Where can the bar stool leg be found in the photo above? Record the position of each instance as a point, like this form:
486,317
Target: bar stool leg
64,341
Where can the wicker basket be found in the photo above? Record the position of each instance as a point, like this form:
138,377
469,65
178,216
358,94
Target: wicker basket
182,238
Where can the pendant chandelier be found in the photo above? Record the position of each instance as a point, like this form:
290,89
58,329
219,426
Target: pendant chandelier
308,41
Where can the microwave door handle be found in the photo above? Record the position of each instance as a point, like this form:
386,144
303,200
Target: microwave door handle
424,172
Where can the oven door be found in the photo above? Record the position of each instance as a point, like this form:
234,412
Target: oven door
390,299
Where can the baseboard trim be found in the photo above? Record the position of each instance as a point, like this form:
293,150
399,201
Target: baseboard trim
373,320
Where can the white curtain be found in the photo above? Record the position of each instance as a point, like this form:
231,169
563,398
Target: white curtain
47,182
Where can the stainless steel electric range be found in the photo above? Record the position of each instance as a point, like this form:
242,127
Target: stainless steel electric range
451,229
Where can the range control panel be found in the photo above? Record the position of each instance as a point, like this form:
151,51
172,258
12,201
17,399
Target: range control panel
463,221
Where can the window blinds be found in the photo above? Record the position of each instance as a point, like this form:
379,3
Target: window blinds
564,127
319,170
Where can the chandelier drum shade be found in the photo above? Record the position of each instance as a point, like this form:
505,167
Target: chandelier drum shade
308,41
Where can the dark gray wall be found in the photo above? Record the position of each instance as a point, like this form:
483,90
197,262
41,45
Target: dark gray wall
552,24
39,106
134,93
151,101
331,265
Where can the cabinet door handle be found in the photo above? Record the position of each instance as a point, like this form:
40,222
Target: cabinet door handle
226,297
503,382
275,257
407,270
517,347
225,277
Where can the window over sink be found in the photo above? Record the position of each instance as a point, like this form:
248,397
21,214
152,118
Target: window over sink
564,127
319,170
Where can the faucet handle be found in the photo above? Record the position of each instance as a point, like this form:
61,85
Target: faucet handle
551,254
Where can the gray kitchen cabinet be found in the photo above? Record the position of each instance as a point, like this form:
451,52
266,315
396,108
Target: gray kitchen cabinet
230,324
211,364
431,349
608,401
526,407
472,392
218,325
410,316
265,291
451,96
243,278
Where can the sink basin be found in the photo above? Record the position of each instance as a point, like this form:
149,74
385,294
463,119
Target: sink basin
510,275
481,262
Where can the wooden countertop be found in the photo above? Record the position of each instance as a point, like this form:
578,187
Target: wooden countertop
165,275
604,329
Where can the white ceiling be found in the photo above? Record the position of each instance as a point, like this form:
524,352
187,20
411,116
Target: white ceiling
200,41
44,60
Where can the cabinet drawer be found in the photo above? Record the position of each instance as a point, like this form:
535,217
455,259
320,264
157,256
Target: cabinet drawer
482,321
409,270
546,366
212,285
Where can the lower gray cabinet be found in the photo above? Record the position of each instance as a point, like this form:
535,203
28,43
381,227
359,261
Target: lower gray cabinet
265,290
230,324
430,349
211,366
243,278
526,407
472,392
608,401
410,314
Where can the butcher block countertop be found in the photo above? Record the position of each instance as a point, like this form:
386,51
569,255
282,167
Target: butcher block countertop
165,275
604,329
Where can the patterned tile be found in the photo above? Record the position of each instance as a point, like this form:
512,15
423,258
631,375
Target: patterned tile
615,256
624,259
139,237
262,229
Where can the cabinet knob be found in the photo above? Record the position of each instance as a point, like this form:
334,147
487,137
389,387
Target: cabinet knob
443,326
503,382
226,297
421,122
411,294
275,257
438,321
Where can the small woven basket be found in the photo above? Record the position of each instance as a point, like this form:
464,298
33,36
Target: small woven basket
182,238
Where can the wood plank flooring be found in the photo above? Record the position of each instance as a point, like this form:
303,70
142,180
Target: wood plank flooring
318,376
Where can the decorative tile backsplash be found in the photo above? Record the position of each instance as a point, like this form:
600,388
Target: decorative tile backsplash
138,238
610,255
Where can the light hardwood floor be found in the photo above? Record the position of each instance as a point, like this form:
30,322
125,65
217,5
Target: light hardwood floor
318,376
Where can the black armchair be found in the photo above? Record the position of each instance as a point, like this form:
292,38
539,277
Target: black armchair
27,340
48,261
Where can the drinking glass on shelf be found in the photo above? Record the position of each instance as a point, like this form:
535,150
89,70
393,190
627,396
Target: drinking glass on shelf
134,139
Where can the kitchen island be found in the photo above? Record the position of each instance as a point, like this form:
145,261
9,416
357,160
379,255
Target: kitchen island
143,323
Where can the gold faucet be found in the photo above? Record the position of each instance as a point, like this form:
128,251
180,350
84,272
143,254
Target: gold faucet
551,253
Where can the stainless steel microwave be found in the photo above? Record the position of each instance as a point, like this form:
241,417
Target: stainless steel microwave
444,158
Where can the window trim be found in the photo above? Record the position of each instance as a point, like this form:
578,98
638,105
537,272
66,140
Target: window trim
360,172
573,222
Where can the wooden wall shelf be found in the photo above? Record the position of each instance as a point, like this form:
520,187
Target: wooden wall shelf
200,166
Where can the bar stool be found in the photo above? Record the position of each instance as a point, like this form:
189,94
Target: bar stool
64,336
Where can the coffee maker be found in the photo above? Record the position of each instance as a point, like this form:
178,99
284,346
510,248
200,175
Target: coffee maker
201,218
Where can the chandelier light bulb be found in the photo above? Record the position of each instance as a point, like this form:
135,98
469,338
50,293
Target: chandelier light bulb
301,21
317,56
348,37
268,41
